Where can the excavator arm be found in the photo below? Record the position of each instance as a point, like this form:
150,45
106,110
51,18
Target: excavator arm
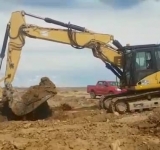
76,36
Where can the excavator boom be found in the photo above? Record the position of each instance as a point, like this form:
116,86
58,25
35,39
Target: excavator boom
17,30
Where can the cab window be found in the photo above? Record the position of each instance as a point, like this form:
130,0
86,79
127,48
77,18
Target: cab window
157,55
143,60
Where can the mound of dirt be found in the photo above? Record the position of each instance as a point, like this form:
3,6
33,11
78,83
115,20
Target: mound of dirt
155,117
65,107
152,124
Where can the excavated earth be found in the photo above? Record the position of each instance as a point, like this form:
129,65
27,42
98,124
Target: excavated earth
76,123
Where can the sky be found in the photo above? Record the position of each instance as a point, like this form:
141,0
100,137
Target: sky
130,21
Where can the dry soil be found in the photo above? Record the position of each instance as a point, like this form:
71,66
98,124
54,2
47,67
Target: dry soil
77,124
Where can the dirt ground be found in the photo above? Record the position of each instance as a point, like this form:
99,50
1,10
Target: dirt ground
82,127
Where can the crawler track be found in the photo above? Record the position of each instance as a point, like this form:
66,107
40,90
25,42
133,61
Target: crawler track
129,102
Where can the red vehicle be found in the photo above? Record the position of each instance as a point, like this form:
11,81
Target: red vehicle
104,88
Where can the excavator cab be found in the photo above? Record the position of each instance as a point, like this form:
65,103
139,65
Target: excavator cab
141,61
141,79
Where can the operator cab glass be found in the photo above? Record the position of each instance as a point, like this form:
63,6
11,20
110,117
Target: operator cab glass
140,61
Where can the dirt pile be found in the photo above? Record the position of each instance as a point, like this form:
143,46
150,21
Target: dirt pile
65,107
155,117
152,124
8,145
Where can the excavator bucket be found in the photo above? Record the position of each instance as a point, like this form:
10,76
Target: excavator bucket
33,102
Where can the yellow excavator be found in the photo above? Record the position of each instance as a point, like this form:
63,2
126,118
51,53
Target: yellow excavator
137,67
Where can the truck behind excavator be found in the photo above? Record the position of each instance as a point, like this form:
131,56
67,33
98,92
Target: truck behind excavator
129,63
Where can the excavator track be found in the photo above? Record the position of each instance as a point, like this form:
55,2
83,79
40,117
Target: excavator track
123,103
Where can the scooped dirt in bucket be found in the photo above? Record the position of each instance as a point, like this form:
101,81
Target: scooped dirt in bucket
37,92
34,101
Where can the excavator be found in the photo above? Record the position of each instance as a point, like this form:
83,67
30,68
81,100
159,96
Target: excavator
137,67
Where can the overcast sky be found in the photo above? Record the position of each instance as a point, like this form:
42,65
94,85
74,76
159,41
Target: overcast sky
130,21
